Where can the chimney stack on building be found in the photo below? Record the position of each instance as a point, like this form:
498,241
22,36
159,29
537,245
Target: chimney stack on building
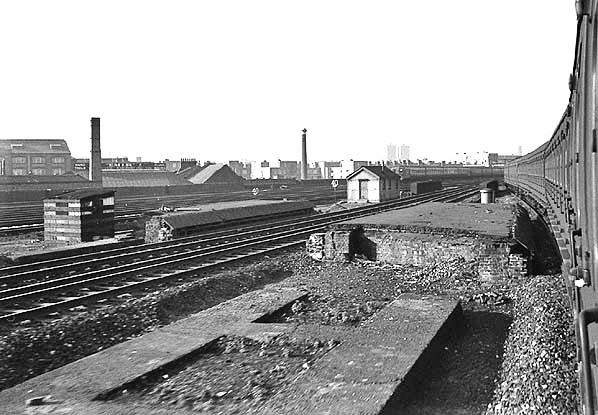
95,161
304,155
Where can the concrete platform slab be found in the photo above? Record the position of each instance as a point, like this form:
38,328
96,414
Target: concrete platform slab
370,372
80,382
497,237
494,220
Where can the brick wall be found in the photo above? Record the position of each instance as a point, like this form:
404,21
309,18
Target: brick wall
156,230
494,257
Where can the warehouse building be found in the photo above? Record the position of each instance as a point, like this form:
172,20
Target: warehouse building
34,157
372,184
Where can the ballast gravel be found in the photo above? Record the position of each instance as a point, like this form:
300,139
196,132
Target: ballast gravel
538,374
534,375
33,348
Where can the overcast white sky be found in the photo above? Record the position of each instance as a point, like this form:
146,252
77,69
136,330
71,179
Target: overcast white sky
220,80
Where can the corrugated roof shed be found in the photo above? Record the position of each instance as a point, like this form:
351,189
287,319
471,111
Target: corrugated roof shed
217,213
17,146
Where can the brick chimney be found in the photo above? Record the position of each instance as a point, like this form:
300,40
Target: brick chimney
95,161
304,155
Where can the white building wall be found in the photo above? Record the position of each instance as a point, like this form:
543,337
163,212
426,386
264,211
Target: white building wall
374,190
259,172
373,187
335,172
352,190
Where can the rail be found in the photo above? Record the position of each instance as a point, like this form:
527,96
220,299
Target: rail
28,300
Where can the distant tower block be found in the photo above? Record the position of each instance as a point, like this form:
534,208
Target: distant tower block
304,155
95,161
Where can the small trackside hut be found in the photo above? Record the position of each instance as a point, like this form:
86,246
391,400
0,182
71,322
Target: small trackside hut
373,184
79,216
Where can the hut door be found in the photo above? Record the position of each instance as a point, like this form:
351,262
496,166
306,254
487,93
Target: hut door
363,189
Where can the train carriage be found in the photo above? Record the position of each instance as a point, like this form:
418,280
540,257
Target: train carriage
561,176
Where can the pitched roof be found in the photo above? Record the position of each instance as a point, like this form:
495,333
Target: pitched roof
382,172
141,178
198,175
189,172
16,146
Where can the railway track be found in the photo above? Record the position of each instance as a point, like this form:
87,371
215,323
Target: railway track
21,217
75,282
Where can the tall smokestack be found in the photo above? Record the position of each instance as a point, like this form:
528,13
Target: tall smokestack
304,155
95,161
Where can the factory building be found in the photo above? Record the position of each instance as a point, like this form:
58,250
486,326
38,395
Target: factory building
372,184
34,157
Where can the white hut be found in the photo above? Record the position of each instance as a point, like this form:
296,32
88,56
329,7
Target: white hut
372,184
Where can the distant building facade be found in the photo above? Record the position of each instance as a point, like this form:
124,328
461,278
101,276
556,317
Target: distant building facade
120,163
314,172
391,152
240,168
289,169
331,169
404,152
473,158
34,157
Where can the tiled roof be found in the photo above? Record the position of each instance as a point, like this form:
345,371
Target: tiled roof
382,172
34,146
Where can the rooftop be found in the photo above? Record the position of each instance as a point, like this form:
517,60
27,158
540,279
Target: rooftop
17,146
84,193
141,178
382,172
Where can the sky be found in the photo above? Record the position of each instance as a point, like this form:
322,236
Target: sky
228,80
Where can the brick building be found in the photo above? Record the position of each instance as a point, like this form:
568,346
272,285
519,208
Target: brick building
34,157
